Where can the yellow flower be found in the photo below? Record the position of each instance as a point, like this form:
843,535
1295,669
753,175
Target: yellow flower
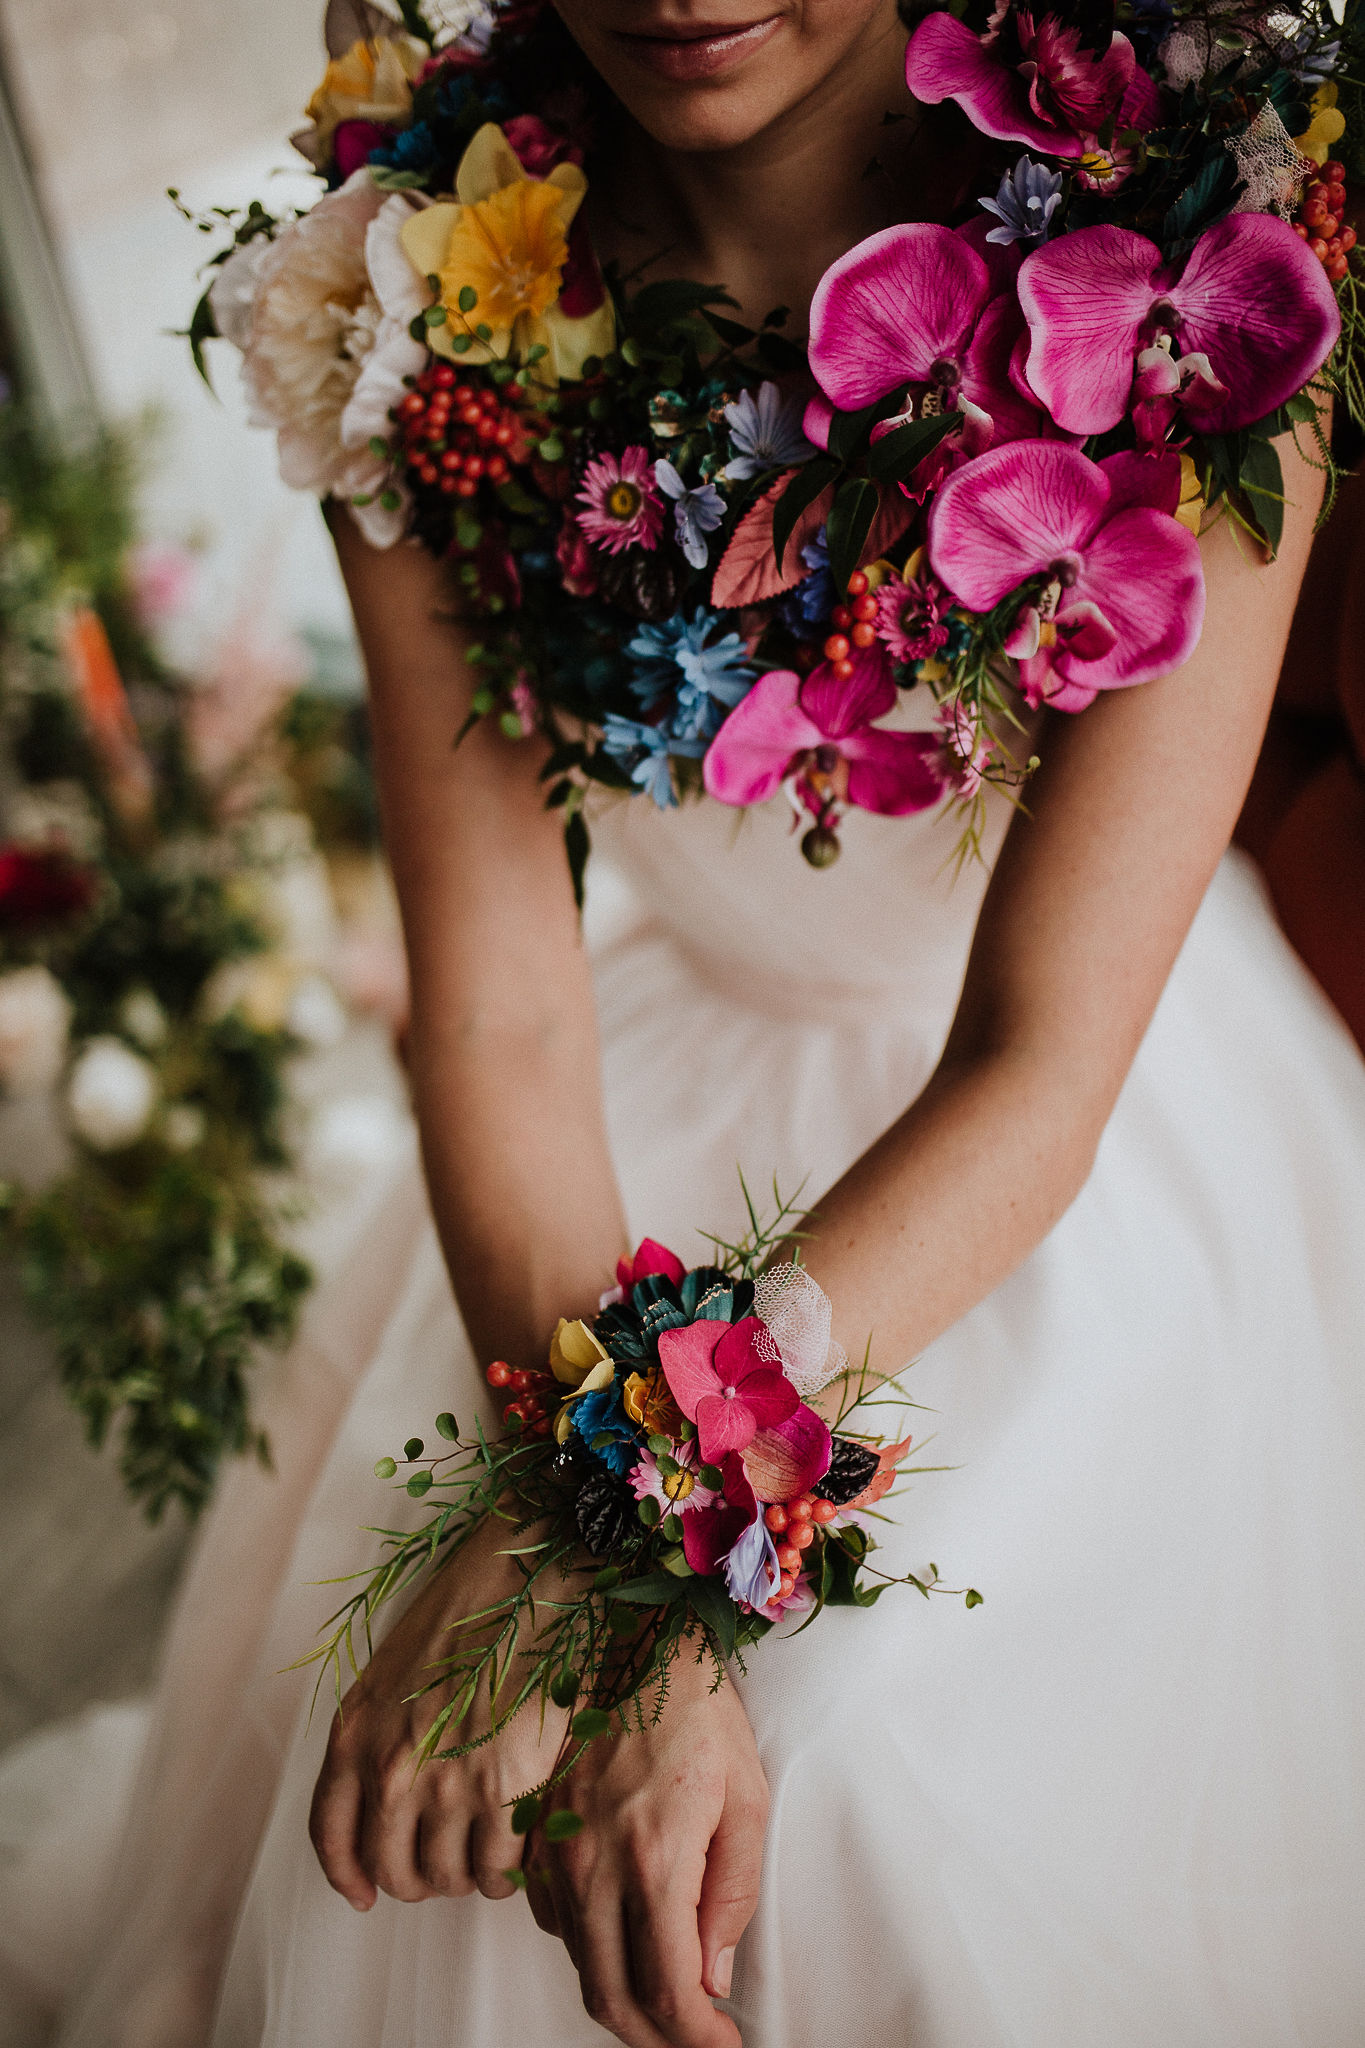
372,82
600,1377
574,1352
648,1401
1326,128
505,236
1190,510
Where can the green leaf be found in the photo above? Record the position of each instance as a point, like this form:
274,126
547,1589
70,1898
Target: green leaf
732,331
711,1477
414,1447
609,1576
1262,480
850,522
203,327
563,1825
436,316
564,1686
460,343
419,1484
516,1878
577,846
804,488
660,1445
650,1512
385,1468
654,1589
896,454
1208,196
551,449
973,1597
467,298
589,1724
448,1427
712,1605
526,1813
673,1528
622,1622
848,431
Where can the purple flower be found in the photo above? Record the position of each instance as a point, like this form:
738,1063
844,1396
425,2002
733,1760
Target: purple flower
1030,78
752,1573
1123,599
1028,197
910,310
765,433
696,511
1251,299
821,729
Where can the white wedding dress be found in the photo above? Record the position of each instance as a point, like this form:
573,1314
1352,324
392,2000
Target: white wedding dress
1122,1804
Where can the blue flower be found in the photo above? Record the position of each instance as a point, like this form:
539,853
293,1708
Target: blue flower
413,150
696,512
812,601
699,677
642,751
600,1415
764,433
1028,197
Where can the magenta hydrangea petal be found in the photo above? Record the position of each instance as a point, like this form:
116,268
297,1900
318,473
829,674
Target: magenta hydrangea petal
1256,301
687,1358
723,1426
946,61
1086,297
1143,570
710,1534
841,707
749,756
892,307
986,376
893,773
1010,514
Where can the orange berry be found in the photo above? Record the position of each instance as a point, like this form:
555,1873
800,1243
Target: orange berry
865,607
857,583
801,1535
1333,171
776,1518
800,1508
787,1587
836,648
841,670
514,1409
823,1511
466,486
841,618
1337,267
788,1557
1348,237
1336,194
862,634
1300,230
1319,248
499,1373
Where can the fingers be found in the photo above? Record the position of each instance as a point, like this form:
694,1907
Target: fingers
603,1961
494,1850
666,1966
729,1889
333,1828
389,1837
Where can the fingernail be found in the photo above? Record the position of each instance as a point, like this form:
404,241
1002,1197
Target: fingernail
361,1905
720,1972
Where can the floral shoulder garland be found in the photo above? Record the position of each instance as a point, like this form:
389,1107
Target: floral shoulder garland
978,489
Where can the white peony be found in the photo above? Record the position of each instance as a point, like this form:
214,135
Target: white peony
111,1094
400,296
314,320
34,1019
233,292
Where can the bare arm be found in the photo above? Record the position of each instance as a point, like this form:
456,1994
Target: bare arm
1091,900
504,1038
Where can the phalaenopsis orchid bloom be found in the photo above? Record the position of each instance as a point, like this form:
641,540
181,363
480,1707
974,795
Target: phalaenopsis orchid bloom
1119,588
1052,78
1248,319
821,731
911,311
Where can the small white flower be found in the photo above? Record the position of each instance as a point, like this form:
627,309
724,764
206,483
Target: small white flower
34,1019
183,1126
111,1095
143,1018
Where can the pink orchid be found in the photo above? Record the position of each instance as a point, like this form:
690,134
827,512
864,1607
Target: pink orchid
1252,306
910,310
1030,78
649,1258
821,730
1123,599
728,1379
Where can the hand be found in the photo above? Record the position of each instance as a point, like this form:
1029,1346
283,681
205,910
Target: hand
378,1823
651,1897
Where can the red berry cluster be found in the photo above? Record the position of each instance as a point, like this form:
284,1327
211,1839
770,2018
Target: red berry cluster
456,435
1320,220
853,627
796,1521
528,1390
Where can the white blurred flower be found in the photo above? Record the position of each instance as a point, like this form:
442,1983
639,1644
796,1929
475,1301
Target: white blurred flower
355,1135
143,1018
315,1014
233,292
183,1126
460,18
260,988
111,1094
34,1019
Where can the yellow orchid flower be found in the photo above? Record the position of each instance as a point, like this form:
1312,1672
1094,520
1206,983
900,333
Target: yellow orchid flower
372,82
505,236
574,1352
599,1378
1326,128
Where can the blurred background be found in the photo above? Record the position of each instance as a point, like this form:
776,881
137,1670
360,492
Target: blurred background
180,720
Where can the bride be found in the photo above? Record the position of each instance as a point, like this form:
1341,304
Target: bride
1082,1137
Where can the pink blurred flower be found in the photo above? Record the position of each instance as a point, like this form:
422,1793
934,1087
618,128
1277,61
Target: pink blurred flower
911,310
161,577
537,146
649,1258
964,749
1123,599
354,141
621,504
576,559
1032,77
728,1379
821,729
910,617
1251,301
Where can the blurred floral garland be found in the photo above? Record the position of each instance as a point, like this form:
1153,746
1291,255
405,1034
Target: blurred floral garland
142,990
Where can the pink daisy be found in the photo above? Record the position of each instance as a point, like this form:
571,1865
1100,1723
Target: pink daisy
621,504
964,749
910,617
677,1495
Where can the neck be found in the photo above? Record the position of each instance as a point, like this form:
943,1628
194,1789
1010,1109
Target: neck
769,216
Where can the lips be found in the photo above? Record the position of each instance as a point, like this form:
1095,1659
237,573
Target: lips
692,50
